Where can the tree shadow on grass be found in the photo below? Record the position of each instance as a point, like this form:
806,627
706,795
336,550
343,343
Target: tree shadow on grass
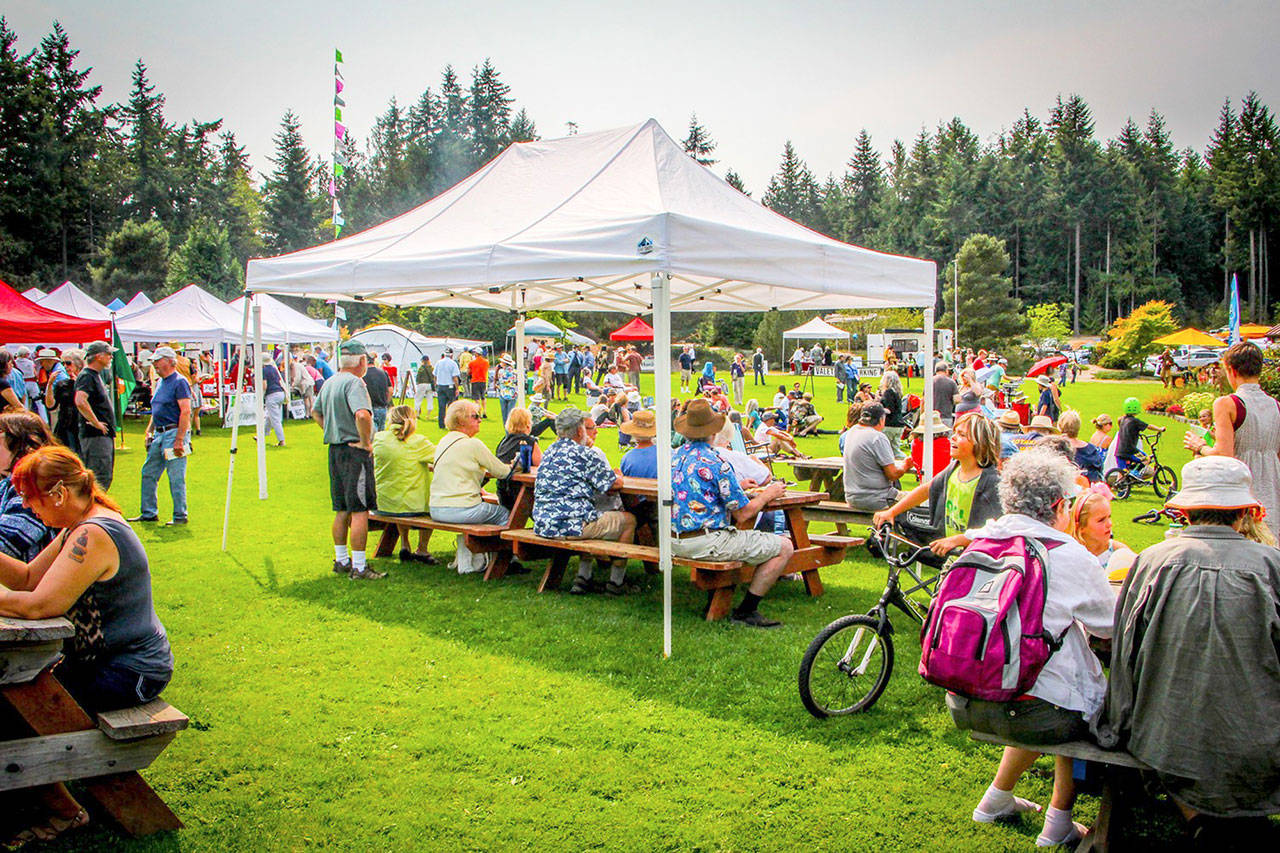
718,669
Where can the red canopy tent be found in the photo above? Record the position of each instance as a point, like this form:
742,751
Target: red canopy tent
23,321
636,330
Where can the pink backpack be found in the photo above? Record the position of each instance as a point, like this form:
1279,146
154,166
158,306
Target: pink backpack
985,636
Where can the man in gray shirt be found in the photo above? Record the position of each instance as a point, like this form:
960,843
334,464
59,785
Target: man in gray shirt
345,413
870,469
944,393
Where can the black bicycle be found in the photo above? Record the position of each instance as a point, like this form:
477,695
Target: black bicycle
847,666
1162,479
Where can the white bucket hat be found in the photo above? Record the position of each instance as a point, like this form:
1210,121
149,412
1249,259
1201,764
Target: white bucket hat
1215,482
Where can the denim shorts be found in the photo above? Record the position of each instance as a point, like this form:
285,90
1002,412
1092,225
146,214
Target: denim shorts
1031,721
107,687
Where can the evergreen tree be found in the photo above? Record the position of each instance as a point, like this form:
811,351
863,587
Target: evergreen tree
734,180
206,258
522,128
490,113
148,138
698,144
134,258
864,188
990,316
453,156
1074,157
793,192
293,208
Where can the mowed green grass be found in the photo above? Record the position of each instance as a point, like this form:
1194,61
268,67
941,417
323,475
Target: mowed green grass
433,711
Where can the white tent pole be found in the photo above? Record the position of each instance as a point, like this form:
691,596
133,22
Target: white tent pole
955,315
520,353
259,410
927,411
660,284
287,364
235,416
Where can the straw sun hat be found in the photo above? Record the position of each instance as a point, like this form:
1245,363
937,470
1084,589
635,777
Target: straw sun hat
939,426
642,424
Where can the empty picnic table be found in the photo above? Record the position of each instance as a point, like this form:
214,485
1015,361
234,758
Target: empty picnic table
821,472
58,741
811,552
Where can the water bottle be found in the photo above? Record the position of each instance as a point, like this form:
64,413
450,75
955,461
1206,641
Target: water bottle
526,457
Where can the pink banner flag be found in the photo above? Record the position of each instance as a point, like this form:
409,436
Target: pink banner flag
339,131
338,85
333,189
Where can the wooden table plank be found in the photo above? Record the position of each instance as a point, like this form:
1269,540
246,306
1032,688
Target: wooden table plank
33,630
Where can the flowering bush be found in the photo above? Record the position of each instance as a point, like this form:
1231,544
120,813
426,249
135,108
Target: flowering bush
1193,404
1174,409
1164,399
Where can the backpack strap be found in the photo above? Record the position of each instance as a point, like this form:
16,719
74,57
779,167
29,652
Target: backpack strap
1042,547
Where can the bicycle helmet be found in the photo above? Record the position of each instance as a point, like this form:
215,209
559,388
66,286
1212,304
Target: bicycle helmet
1132,406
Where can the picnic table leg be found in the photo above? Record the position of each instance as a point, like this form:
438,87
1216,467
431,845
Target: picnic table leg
800,538
387,541
555,571
523,508
1113,811
498,568
719,603
46,706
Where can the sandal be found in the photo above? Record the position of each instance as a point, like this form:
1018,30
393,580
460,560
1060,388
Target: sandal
48,831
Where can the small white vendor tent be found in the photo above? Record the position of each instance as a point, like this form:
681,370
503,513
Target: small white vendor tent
621,220
407,346
816,329
139,301
70,299
190,315
298,326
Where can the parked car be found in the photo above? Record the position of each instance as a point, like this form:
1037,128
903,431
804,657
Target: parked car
1184,358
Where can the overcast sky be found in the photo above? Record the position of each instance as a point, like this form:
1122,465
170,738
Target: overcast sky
756,73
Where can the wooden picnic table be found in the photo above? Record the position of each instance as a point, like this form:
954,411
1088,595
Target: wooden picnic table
821,472
52,739
810,554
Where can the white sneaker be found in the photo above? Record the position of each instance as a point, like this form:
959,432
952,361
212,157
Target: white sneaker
1017,807
1078,831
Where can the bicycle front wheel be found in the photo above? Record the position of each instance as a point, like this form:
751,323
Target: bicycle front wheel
1164,480
846,667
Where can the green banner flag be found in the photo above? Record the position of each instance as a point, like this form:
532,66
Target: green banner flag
337,113
338,171
337,55
123,375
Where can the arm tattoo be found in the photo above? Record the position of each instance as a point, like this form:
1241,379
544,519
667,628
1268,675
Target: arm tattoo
79,548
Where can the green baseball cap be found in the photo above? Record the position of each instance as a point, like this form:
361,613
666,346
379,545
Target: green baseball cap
353,348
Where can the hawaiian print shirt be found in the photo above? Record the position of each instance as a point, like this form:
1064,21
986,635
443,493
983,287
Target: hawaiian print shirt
569,478
704,488
506,383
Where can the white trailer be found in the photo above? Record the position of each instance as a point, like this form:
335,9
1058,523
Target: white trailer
905,342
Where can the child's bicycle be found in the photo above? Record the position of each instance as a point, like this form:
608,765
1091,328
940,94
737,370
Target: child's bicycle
847,666
1149,472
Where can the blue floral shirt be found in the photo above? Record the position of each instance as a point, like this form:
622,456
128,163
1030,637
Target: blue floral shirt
506,383
704,488
569,478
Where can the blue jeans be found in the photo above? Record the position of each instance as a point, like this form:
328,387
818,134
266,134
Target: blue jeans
506,406
379,418
107,686
156,464
481,513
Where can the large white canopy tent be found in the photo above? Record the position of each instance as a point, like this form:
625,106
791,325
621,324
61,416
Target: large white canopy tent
70,299
622,221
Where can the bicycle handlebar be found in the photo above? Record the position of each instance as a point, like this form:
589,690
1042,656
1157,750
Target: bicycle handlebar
881,536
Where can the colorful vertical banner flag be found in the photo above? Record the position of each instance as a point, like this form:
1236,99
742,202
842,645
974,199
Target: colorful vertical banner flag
339,136
1233,316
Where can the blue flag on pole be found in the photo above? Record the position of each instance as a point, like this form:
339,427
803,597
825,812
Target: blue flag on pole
1233,316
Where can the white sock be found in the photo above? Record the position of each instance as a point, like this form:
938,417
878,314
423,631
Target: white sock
997,804
1058,827
340,553
358,561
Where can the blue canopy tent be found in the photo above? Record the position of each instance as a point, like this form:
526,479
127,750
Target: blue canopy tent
115,305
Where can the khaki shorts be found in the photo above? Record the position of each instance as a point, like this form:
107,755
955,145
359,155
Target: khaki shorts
752,547
609,526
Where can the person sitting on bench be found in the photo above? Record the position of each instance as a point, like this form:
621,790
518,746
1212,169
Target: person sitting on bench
1195,666
708,504
570,478
1035,490
871,472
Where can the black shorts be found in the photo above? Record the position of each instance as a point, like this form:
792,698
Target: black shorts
351,479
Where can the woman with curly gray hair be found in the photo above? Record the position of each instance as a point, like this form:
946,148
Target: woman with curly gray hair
1036,487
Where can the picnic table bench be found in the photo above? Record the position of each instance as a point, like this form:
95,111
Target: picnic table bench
717,578
1120,785
479,538
60,742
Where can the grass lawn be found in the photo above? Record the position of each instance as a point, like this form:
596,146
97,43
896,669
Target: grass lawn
437,711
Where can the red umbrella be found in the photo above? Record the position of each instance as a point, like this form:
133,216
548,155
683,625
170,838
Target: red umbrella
1047,364
636,330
